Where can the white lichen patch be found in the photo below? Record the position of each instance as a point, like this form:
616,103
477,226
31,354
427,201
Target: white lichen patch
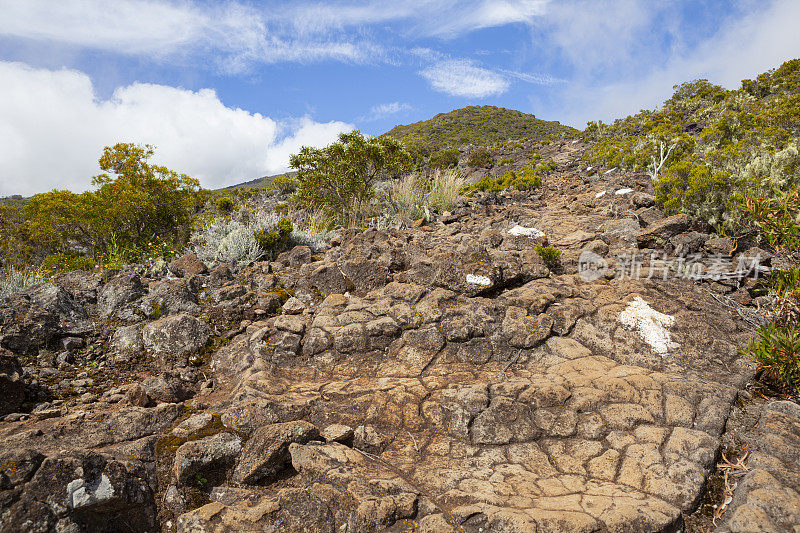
620,192
525,232
600,194
478,280
650,324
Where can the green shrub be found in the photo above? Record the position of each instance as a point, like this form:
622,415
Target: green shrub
777,351
527,178
550,255
143,206
444,159
66,262
274,239
506,161
285,184
480,157
339,178
282,209
225,205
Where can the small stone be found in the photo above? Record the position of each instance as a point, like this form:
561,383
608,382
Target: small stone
293,306
337,433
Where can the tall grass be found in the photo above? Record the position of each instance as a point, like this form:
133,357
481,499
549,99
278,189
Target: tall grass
414,196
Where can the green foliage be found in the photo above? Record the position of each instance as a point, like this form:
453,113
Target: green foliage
506,161
550,255
727,147
282,209
15,250
66,262
143,206
285,184
527,178
777,351
478,125
339,178
444,159
480,157
274,239
225,205
778,217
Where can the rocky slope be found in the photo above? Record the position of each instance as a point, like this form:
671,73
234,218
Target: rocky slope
436,379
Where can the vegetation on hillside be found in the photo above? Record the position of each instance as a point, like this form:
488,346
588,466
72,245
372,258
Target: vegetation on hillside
730,158
477,125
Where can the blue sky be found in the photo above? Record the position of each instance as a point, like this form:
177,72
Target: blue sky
228,90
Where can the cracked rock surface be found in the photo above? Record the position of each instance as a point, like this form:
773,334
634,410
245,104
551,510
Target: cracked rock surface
431,379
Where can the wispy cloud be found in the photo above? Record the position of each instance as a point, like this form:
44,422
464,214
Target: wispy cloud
535,79
380,111
57,113
463,77
234,35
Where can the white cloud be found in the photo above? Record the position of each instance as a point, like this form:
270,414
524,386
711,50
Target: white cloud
741,48
53,129
380,111
462,77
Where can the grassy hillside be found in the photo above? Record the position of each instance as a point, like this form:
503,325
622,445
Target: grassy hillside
479,125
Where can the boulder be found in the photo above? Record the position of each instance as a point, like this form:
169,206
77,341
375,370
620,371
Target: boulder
83,491
168,298
123,289
127,341
83,286
328,279
366,274
187,265
206,460
266,453
38,316
175,335
165,388
658,233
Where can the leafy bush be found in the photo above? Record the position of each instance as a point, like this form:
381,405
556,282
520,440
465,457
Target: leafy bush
143,205
506,161
524,179
480,157
444,159
550,255
285,184
14,280
282,209
225,205
777,351
274,239
339,178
